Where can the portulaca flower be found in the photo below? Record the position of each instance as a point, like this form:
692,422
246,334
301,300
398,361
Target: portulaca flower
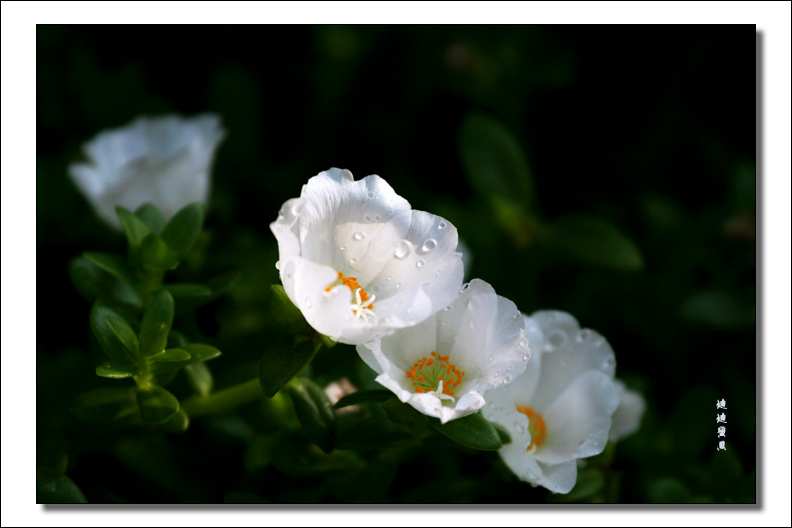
444,365
627,418
560,409
165,161
359,263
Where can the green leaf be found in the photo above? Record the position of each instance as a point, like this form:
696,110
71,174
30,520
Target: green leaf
591,240
101,405
400,413
502,433
363,396
134,228
174,354
282,361
178,423
200,378
125,334
315,412
188,290
200,352
156,404
151,216
156,324
110,343
373,434
117,370
183,229
112,264
94,282
494,161
286,315
53,487
472,431
156,254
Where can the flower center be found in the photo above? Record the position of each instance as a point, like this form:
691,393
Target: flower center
435,374
536,426
362,305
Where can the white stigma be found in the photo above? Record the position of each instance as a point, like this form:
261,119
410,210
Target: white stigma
363,310
439,393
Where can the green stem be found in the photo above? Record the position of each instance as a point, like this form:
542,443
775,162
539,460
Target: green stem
223,400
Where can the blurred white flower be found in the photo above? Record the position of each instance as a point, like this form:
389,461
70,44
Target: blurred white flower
359,263
165,161
337,390
627,418
560,409
444,365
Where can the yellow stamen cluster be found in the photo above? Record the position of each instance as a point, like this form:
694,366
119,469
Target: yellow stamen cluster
359,296
536,426
427,373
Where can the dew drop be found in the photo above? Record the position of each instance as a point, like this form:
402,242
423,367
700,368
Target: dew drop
438,272
367,218
370,195
403,250
523,342
377,218
526,357
507,379
342,248
277,265
359,236
352,261
308,302
389,278
420,264
552,317
492,358
447,308
429,245
398,285
441,225
584,334
556,339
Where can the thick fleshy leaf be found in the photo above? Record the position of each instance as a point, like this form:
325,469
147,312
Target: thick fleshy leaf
110,343
53,487
188,291
282,361
200,378
183,229
134,228
363,396
152,217
471,431
156,404
173,354
117,370
285,313
156,324
200,352
156,254
493,159
315,412
94,282
100,405
124,333
593,241
113,264
178,423
399,412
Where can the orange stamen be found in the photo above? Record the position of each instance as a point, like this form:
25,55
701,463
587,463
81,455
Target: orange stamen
536,426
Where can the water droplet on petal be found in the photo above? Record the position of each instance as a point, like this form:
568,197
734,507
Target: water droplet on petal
420,264
342,248
308,302
367,218
352,261
556,339
403,250
526,357
389,278
438,272
492,358
429,245
448,308
277,265
507,379
359,236
398,285
518,427
523,342
370,195
441,225
584,334
377,218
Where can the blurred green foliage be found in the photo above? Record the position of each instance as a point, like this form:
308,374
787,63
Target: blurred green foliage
641,139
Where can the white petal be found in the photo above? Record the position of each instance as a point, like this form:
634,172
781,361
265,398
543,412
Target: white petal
567,353
501,410
578,421
558,478
627,418
523,388
329,313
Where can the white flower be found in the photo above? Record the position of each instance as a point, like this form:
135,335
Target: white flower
627,418
444,365
358,262
560,409
165,161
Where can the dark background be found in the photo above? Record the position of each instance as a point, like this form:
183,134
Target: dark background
652,128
